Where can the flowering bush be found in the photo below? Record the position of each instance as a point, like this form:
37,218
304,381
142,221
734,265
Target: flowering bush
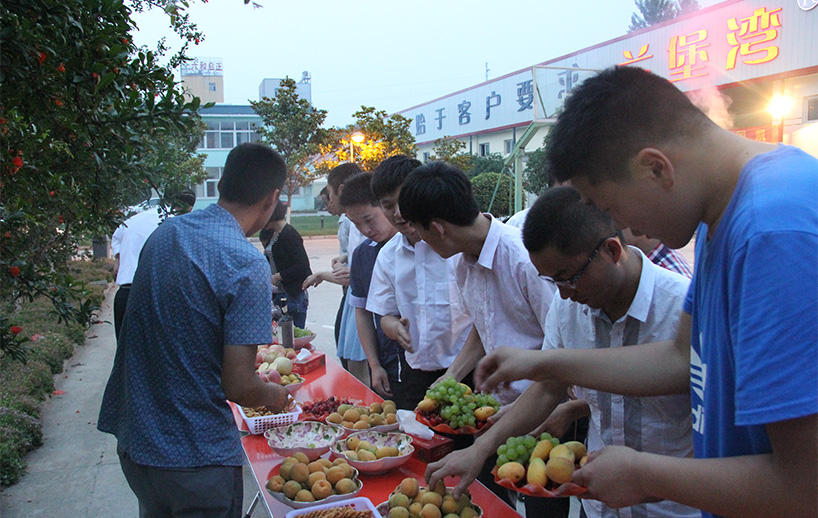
89,123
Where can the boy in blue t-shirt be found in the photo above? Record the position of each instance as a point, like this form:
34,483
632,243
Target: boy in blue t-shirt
747,350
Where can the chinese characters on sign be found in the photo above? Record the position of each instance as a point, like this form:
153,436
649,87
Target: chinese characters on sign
525,95
724,45
463,115
751,32
748,38
687,55
568,79
203,67
492,101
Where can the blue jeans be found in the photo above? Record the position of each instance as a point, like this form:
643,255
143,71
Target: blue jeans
296,307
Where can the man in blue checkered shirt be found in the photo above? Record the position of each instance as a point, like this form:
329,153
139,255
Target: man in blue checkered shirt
199,305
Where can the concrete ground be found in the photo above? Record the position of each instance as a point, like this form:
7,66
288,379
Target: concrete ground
76,472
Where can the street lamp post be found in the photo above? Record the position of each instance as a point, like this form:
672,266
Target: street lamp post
356,137
779,107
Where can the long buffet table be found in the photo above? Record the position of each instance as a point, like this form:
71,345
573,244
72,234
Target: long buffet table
333,380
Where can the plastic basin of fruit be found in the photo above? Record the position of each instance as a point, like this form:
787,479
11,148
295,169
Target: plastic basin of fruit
292,388
330,499
359,504
311,438
401,441
383,507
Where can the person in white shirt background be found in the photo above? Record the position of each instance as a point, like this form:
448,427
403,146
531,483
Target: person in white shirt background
346,335
127,242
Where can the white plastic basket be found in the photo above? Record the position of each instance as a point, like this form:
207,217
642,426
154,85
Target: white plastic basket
258,425
359,504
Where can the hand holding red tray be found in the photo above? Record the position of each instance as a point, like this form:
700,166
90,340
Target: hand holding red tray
566,489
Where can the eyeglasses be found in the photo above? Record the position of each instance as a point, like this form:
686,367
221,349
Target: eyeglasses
572,282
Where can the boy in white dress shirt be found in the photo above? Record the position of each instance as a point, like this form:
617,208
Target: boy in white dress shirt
499,287
415,292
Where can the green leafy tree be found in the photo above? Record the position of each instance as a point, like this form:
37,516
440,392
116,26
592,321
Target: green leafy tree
537,172
384,136
88,121
492,163
292,126
450,149
493,193
656,11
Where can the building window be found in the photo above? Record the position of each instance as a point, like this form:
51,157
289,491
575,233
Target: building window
426,156
226,135
812,109
508,146
210,187
211,87
484,149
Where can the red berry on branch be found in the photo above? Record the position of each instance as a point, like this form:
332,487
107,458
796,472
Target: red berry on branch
58,102
51,193
17,161
15,330
61,68
41,58
124,41
14,271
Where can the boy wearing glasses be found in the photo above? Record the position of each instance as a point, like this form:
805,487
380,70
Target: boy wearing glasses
610,296
747,348
499,287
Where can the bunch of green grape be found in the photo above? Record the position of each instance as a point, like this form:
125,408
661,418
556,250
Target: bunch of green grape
457,403
519,449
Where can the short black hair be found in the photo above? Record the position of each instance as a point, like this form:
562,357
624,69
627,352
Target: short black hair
251,172
358,191
560,219
280,212
340,173
438,190
180,200
610,117
390,174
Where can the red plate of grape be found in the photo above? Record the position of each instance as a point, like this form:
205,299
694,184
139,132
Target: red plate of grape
452,408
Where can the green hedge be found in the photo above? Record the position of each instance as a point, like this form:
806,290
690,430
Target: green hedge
24,386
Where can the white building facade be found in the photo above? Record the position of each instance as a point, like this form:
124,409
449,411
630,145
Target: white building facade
734,60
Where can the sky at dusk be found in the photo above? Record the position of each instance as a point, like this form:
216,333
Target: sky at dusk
390,54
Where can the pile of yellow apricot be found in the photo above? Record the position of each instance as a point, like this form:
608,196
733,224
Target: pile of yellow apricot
305,481
362,417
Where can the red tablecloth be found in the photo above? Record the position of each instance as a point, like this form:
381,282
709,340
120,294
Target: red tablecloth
333,380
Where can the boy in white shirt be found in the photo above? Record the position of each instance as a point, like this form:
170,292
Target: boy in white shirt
499,287
415,292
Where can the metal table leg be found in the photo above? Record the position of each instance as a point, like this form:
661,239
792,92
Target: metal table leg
252,505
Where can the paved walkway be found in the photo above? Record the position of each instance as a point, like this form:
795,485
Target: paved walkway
76,472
